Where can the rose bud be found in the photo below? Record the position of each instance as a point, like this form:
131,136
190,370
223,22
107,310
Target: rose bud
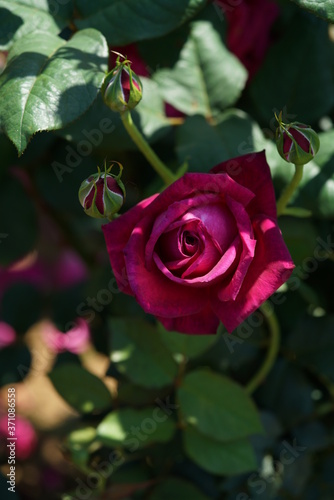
122,88
296,143
102,195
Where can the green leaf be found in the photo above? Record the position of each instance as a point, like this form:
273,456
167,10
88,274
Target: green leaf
24,297
139,353
288,392
135,428
217,407
178,489
18,221
312,344
81,437
78,443
206,78
234,457
297,67
281,171
15,362
324,8
21,17
316,191
300,237
129,21
189,346
103,129
297,212
150,114
49,83
81,389
135,395
135,473
203,146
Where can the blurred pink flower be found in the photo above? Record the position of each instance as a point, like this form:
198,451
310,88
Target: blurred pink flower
28,270
249,27
76,340
130,52
62,273
24,432
68,270
7,335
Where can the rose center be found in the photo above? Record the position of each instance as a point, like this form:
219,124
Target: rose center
189,243
189,239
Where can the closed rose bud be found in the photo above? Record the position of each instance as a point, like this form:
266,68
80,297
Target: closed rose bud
102,195
122,88
296,143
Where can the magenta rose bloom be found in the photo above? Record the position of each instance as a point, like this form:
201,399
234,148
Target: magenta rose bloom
207,249
249,30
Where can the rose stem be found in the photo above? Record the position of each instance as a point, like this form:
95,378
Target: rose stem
167,176
290,189
270,358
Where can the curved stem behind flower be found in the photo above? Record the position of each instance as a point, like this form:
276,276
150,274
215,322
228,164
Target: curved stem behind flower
167,176
290,189
271,356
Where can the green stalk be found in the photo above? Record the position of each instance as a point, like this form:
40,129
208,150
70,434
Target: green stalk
272,352
167,176
290,189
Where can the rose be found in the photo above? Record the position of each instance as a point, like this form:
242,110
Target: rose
208,248
249,24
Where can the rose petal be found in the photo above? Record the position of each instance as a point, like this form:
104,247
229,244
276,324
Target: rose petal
154,292
218,222
252,171
302,141
208,258
176,215
116,234
169,245
193,190
271,267
230,290
203,323
222,268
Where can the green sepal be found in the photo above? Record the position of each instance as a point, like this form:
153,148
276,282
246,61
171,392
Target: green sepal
112,89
